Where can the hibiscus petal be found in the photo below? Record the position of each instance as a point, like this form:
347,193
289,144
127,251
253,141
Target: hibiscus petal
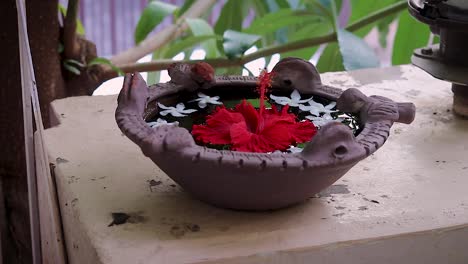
276,137
244,140
279,129
241,137
251,116
302,131
217,128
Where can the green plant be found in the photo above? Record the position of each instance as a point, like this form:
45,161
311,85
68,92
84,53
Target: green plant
288,27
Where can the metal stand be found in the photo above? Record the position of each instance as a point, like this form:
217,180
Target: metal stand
449,59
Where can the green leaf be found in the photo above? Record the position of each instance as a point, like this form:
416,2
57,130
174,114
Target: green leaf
155,76
74,62
384,27
294,4
308,31
80,28
62,9
71,67
200,27
318,9
329,8
282,4
331,59
260,7
188,42
230,17
104,61
234,71
410,35
285,17
180,11
221,71
152,15
275,5
355,52
256,103
236,43
362,8
249,71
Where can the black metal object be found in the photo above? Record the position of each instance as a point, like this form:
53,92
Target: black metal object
449,59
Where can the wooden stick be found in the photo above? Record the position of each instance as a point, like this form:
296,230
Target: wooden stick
28,133
169,33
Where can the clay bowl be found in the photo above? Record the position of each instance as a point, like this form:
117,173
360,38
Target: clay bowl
256,181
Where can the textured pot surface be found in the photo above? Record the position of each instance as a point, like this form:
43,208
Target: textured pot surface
256,181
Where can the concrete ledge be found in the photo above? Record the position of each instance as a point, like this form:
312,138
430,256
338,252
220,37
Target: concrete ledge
407,203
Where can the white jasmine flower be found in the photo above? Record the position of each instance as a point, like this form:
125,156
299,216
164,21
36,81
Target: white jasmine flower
293,149
323,120
204,100
317,108
161,122
294,101
178,111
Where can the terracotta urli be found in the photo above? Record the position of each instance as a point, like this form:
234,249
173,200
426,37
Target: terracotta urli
249,180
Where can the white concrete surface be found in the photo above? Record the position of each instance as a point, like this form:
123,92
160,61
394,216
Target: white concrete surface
407,203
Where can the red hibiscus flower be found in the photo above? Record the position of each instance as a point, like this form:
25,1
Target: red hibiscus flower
251,130
245,129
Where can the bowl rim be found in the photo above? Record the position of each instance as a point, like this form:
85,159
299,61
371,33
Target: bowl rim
378,129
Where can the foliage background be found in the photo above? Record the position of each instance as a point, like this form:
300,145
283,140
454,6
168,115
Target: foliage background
330,32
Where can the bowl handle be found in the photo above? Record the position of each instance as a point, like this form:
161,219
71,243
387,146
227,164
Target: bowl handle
334,142
131,102
375,108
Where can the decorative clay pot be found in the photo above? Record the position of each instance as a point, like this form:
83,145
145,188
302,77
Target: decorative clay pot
255,181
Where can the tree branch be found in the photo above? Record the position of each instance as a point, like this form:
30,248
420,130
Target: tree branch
374,17
70,45
169,33
164,64
389,10
224,62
